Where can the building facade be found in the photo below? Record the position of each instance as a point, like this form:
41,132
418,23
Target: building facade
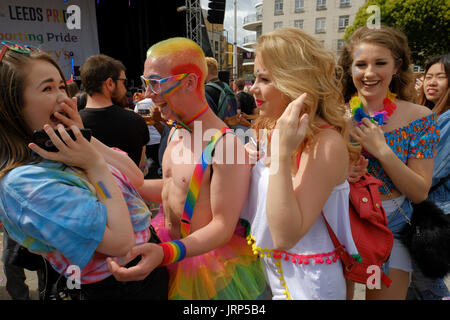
218,39
324,19
252,22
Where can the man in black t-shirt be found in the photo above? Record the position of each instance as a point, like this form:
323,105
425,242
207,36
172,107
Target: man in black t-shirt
104,81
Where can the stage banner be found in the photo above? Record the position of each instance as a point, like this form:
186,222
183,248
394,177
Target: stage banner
67,29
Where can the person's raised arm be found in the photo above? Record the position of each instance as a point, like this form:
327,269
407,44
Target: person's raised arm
417,172
151,190
229,181
292,207
117,159
118,237
324,162
228,193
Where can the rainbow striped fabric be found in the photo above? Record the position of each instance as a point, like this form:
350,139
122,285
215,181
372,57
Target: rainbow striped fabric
196,180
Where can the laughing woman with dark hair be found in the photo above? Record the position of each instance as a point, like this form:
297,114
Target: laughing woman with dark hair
76,206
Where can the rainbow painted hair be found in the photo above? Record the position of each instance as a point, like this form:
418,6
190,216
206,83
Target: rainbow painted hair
185,55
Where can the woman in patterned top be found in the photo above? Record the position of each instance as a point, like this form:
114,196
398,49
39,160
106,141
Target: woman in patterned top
76,206
400,148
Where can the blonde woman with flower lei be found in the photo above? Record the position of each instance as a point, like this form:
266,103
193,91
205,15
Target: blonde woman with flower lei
398,137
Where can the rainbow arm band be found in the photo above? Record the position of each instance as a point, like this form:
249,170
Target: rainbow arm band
102,191
174,251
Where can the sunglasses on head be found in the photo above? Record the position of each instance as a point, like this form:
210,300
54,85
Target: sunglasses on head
19,48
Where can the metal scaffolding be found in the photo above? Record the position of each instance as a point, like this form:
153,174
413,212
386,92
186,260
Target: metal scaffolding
194,21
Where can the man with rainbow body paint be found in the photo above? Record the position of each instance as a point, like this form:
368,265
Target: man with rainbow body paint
204,245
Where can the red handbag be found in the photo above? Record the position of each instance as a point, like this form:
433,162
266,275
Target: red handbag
372,237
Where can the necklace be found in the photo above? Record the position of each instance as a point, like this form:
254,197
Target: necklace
184,125
379,117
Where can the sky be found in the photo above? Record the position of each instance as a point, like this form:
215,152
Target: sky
244,8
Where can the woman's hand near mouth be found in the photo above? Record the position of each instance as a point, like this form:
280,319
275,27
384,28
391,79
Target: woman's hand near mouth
68,114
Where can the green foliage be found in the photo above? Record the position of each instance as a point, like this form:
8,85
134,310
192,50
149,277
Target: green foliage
426,23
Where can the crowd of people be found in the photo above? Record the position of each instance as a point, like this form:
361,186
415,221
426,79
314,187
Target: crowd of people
152,199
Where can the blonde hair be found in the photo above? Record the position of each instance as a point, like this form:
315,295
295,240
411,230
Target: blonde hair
185,56
298,63
213,65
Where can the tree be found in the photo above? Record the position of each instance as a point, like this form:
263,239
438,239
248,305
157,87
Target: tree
426,23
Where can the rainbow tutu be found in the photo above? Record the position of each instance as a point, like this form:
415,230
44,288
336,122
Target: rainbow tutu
231,272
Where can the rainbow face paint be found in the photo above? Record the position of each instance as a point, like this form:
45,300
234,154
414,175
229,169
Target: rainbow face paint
179,56
357,54
102,191
154,81
186,55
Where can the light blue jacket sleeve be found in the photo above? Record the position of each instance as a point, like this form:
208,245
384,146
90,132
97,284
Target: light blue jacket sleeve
441,161
441,195
55,209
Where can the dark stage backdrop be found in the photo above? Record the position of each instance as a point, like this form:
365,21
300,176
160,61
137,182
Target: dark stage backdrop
127,28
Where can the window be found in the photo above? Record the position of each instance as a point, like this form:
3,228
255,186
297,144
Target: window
343,22
344,3
298,24
278,6
299,5
320,25
259,13
277,25
321,4
340,44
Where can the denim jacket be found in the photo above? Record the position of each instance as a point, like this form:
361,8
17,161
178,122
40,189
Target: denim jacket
441,196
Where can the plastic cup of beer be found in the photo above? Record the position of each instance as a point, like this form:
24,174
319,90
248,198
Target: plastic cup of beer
144,110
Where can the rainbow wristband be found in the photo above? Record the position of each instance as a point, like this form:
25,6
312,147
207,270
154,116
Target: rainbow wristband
174,251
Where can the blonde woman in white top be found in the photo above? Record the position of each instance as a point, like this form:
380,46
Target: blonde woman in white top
303,174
